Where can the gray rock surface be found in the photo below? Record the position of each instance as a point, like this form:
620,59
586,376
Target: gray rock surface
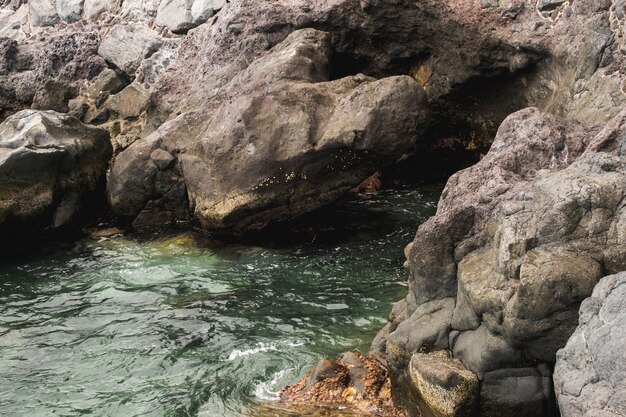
182,15
590,370
519,240
50,166
243,167
70,11
126,46
43,13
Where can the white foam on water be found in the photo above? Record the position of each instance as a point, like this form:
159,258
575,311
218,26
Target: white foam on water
270,390
261,347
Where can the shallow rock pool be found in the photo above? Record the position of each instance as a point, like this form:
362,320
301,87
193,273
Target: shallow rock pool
177,323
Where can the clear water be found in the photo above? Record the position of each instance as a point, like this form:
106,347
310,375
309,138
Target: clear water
178,324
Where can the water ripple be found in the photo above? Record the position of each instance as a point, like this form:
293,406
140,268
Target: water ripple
178,324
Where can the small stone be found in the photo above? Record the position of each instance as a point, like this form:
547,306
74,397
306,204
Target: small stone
129,102
109,81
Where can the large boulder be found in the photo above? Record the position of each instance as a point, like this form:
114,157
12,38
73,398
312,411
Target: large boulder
50,167
590,370
281,139
518,241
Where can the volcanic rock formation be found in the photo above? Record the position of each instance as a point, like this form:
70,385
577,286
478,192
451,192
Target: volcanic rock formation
518,241
281,139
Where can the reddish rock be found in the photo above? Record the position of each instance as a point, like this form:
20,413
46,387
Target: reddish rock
354,381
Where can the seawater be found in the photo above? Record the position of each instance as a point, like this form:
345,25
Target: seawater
177,323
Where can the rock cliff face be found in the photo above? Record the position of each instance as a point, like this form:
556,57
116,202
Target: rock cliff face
518,241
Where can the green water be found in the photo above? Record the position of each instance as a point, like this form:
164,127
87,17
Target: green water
179,324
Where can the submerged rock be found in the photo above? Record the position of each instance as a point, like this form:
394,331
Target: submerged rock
591,369
280,140
50,167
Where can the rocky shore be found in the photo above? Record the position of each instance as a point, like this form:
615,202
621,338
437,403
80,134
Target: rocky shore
237,115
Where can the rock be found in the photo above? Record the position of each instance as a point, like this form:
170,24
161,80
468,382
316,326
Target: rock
12,20
107,81
50,166
591,369
518,241
126,46
47,72
77,108
517,392
544,5
154,66
445,386
243,168
92,9
97,118
182,15
8,53
325,369
139,10
435,318
129,102
355,382
481,351
162,159
42,13
202,10
53,95
70,11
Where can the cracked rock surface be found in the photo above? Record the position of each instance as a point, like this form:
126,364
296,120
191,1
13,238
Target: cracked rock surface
518,241
591,369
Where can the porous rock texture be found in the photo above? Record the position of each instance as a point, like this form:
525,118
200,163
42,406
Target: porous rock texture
518,241
50,167
281,139
354,380
591,369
